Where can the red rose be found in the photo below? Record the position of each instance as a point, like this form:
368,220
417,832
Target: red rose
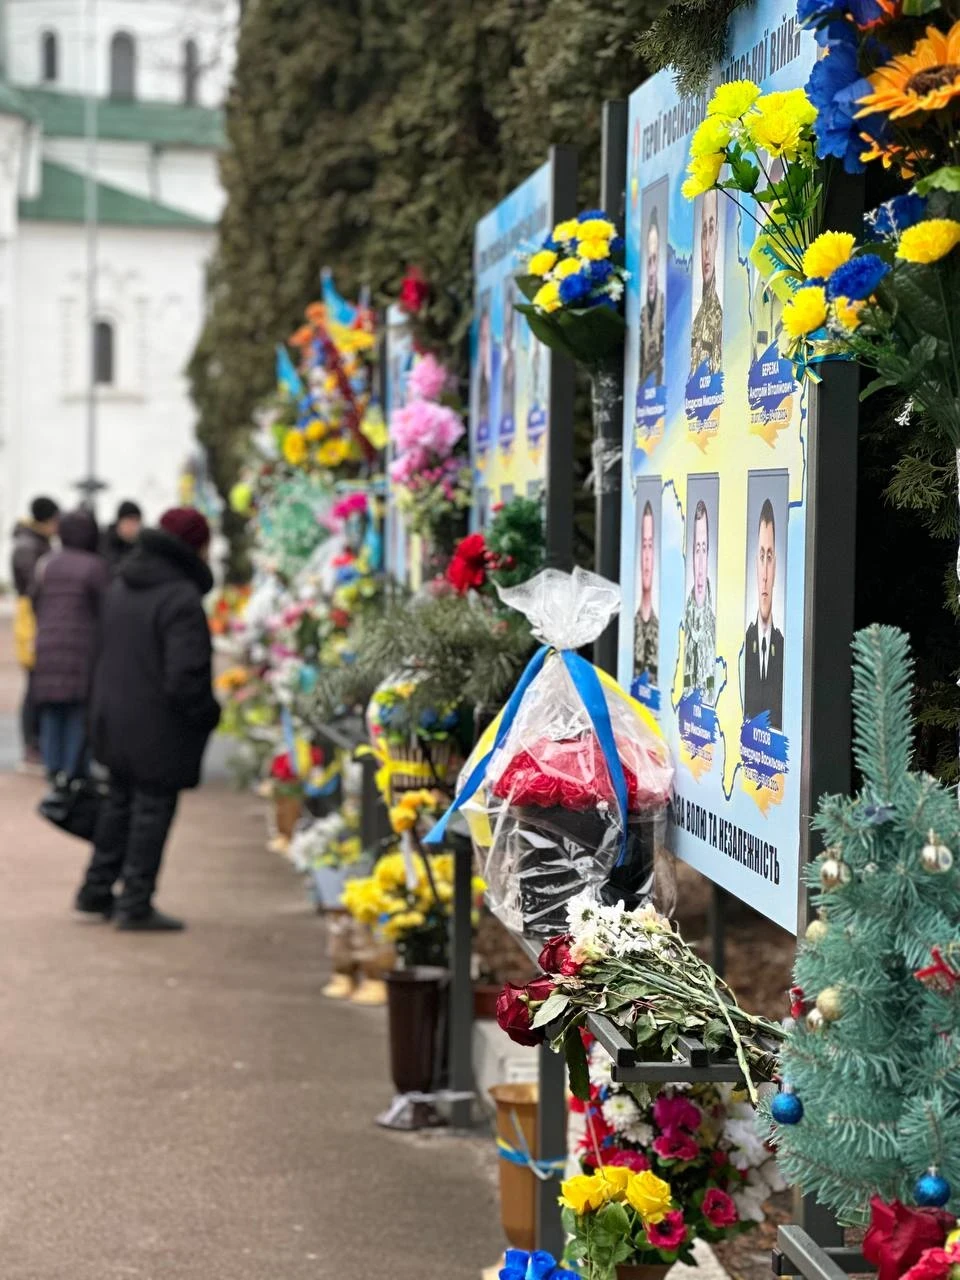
898,1235
719,1208
468,568
414,292
556,958
515,1010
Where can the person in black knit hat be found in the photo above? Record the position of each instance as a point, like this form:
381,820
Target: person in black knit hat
120,538
153,711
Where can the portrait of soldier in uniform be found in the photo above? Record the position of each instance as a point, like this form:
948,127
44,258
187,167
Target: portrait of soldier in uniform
646,632
700,619
653,310
706,338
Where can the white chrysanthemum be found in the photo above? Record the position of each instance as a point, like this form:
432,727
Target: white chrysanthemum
749,1204
747,1147
601,1067
583,913
640,1133
621,1112
615,288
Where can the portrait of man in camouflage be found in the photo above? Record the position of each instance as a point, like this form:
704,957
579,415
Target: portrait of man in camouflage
646,632
653,310
700,619
706,338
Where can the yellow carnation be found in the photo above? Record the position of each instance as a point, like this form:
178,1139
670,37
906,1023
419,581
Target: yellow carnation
733,100
806,311
566,267
829,251
294,448
316,430
929,241
711,135
703,173
594,250
597,229
847,313
775,130
403,818
650,1196
332,452
547,297
568,230
541,262
794,101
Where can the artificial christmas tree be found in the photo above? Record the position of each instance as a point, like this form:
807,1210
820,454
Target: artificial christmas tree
871,1070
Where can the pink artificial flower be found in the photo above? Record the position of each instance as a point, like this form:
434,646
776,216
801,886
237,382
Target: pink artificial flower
623,1156
669,1233
407,466
424,425
677,1112
676,1145
428,379
719,1208
352,504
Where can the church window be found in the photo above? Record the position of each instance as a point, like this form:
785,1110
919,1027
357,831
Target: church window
49,57
103,370
123,66
191,72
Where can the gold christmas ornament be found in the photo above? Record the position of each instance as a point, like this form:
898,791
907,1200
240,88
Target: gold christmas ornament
834,871
815,1020
829,1005
816,931
934,856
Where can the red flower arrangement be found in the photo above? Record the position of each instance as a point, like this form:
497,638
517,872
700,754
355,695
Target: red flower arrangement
414,292
898,1236
516,1007
573,774
468,567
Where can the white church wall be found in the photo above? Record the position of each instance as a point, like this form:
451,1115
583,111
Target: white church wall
119,164
189,179
151,288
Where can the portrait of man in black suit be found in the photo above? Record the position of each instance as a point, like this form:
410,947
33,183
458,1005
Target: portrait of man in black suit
763,648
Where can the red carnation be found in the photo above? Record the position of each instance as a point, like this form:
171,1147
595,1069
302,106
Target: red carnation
676,1145
468,568
515,1010
669,1233
719,1209
898,1236
414,292
623,1156
556,958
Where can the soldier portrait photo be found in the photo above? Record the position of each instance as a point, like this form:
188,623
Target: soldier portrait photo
706,335
653,310
700,615
646,625
763,644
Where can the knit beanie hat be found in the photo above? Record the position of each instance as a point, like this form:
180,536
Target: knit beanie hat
188,525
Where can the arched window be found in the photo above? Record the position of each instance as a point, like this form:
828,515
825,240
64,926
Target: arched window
191,72
103,365
49,57
123,66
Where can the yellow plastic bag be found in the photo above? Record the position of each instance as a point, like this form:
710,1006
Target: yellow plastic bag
25,633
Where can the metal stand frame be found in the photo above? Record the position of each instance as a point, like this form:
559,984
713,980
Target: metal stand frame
798,1254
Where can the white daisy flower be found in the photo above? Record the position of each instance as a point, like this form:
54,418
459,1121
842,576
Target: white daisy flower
621,1112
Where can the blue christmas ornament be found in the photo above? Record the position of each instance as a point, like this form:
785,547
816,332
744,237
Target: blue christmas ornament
931,1191
786,1108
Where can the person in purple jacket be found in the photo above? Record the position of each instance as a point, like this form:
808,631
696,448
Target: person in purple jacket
68,593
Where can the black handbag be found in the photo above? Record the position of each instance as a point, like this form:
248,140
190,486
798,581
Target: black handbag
74,806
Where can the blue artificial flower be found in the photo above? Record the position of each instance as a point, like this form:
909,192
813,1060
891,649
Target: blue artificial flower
589,214
553,245
858,278
835,88
541,1266
450,720
428,718
575,289
617,245
896,215
863,12
600,271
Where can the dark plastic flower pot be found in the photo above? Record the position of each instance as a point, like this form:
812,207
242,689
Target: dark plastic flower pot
415,1007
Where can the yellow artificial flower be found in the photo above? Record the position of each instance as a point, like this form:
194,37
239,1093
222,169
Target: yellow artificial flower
830,250
929,241
793,101
594,250
402,818
847,313
316,430
441,865
703,173
597,229
332,452
478,886
566,267
925,79
390,873
806,311
775,130
710,136
547,297
541,262
585,1193
732,101
650,1196
294,448
565,231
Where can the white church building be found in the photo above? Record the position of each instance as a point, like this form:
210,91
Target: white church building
151,141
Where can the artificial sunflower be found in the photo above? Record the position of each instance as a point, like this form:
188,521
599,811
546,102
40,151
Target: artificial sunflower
925,79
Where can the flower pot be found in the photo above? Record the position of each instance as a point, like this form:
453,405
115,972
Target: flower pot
485,1001
642,1270
415,1005
517,1106
286,813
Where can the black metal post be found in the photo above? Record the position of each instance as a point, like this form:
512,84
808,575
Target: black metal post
559,513
461,987
608,407
552,1145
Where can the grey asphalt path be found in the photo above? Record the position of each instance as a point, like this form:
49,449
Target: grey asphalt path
191,1108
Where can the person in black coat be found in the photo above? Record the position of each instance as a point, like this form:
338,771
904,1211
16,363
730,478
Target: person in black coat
153,710
763,643
120,538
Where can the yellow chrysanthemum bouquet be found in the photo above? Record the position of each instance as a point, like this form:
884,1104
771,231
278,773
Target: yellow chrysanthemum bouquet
574,284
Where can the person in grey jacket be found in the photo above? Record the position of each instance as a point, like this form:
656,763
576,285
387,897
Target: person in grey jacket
67,595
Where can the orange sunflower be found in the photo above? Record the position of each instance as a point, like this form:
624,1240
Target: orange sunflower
925,79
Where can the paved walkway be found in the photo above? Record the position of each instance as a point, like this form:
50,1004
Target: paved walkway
190,1108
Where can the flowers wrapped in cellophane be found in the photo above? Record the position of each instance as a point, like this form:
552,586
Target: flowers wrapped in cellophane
568,788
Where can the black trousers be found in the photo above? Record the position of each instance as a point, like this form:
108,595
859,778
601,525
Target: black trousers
131,833
29,719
